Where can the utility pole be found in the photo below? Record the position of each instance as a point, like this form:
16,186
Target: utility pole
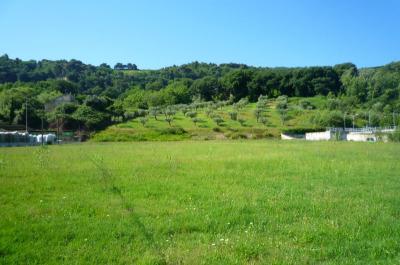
42,127
26,114
58,129
369,118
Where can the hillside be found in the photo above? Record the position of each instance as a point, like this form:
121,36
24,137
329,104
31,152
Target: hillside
206,126
104,96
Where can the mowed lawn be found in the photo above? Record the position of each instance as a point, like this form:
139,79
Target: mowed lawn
201,202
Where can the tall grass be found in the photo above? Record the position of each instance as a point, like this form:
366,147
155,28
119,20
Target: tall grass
242,202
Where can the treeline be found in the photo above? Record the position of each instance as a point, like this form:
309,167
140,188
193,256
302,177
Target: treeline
102,93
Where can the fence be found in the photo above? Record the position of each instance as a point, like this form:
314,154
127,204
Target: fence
364,129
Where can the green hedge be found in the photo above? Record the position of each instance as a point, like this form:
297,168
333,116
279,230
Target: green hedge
303,130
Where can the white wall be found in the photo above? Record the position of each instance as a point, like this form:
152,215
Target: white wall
292,137
318,136
361,137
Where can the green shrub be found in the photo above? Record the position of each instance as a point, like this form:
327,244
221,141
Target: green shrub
235,136
218,120
172,130
302,130
306,104
395,136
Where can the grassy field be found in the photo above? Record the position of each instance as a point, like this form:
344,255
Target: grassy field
207,129
197,202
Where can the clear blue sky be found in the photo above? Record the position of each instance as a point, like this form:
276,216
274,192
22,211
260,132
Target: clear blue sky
158,33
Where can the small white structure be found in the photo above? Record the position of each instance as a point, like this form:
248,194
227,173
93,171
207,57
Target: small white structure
320,136
361,137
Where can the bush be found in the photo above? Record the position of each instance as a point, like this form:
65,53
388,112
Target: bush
217,129
218,120
235,136
395,136
331,119
302,130
281,105
306,104
242,122
173,130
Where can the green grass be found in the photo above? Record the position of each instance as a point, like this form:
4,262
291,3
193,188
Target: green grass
196,202
205,130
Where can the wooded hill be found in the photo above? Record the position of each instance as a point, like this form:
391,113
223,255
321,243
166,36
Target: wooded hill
105,95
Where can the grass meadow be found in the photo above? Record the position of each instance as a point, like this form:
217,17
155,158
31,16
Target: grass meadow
201,202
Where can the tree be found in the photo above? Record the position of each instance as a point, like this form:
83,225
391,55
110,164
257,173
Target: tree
89,117
169,120
236,83
143,120
191,114
257,113
154,111
196,120
233,115
207,88
264,121
218,120
119,66
283,115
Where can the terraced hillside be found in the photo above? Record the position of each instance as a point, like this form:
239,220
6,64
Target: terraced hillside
205,125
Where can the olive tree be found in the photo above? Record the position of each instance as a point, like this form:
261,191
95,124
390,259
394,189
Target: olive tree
196,120
218,120
233,115
154,112
264,120
169,120
143,120
257,113
191,114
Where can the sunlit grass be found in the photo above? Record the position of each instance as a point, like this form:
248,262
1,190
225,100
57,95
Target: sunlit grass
216,202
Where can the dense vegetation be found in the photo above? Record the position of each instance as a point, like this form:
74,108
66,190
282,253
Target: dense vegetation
105,95
219,202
